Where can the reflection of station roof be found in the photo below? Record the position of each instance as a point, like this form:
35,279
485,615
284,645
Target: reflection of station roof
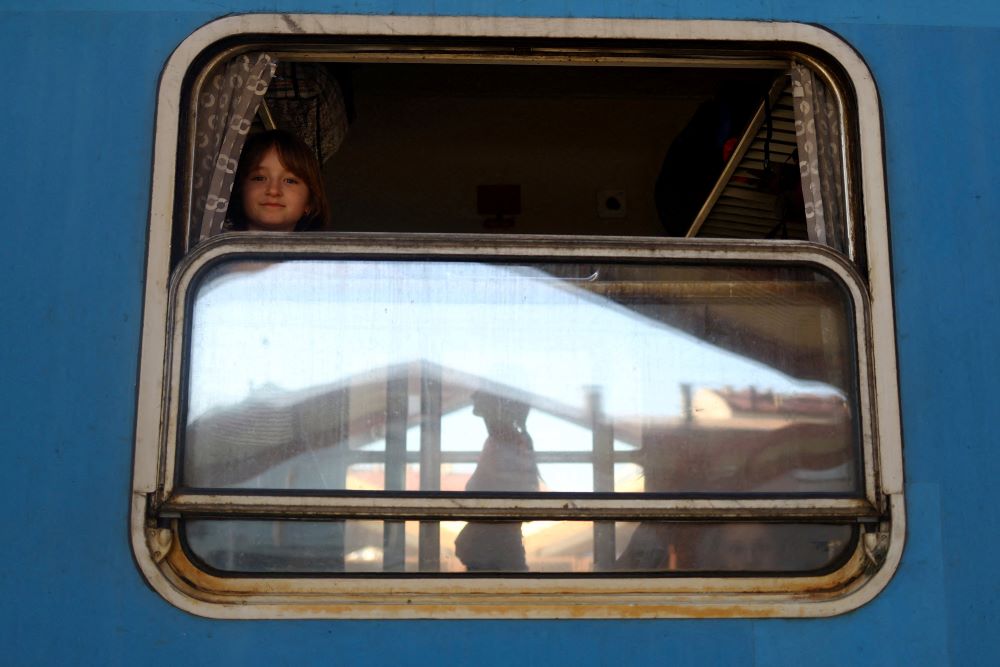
759,435
236,442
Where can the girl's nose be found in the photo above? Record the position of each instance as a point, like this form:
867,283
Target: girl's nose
274,187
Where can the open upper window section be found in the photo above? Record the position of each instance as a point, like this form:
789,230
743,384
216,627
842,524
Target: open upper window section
600,324
528,138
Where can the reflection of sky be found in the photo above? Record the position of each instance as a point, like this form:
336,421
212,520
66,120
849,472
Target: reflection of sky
462,431
300,324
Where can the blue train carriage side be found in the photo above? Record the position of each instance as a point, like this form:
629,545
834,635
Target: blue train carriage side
602,349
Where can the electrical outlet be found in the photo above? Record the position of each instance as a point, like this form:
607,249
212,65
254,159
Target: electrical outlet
611,204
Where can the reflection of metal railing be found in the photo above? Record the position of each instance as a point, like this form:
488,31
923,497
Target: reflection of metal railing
392,504
367,421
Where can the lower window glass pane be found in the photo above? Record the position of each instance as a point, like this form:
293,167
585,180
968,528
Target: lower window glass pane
531,547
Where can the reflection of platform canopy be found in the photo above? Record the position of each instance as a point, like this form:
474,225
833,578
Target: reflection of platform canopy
237,442
730,441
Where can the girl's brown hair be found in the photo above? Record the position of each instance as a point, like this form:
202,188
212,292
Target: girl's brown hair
297,158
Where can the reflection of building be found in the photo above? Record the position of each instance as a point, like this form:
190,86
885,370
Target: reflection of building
394,430
751,441
730,404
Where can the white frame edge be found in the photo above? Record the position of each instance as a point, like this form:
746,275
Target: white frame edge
150,419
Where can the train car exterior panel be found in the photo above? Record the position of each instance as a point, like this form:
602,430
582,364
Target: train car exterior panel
80,136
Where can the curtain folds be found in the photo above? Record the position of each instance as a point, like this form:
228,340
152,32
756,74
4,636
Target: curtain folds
229,100
818,133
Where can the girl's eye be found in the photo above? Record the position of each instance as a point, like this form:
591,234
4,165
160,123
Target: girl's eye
257,177
292,181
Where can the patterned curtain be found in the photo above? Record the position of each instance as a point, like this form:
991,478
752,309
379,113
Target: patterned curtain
818,133
226,108
307,101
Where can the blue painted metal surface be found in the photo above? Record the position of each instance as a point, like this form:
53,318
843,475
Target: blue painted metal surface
80,83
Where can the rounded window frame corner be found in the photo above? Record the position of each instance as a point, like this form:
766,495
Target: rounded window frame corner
165,567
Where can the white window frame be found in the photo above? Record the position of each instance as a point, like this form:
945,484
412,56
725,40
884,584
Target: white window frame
868,569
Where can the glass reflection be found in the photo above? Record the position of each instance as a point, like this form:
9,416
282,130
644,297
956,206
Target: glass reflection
507,463
632,378
733,547
537,547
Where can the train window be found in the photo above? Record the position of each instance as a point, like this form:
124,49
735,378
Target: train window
601,325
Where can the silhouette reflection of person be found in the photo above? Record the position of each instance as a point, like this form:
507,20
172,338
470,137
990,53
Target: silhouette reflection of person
507,463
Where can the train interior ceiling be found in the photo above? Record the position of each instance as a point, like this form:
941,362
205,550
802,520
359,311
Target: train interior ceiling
549,149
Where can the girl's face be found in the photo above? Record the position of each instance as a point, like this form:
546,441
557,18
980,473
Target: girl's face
274,199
